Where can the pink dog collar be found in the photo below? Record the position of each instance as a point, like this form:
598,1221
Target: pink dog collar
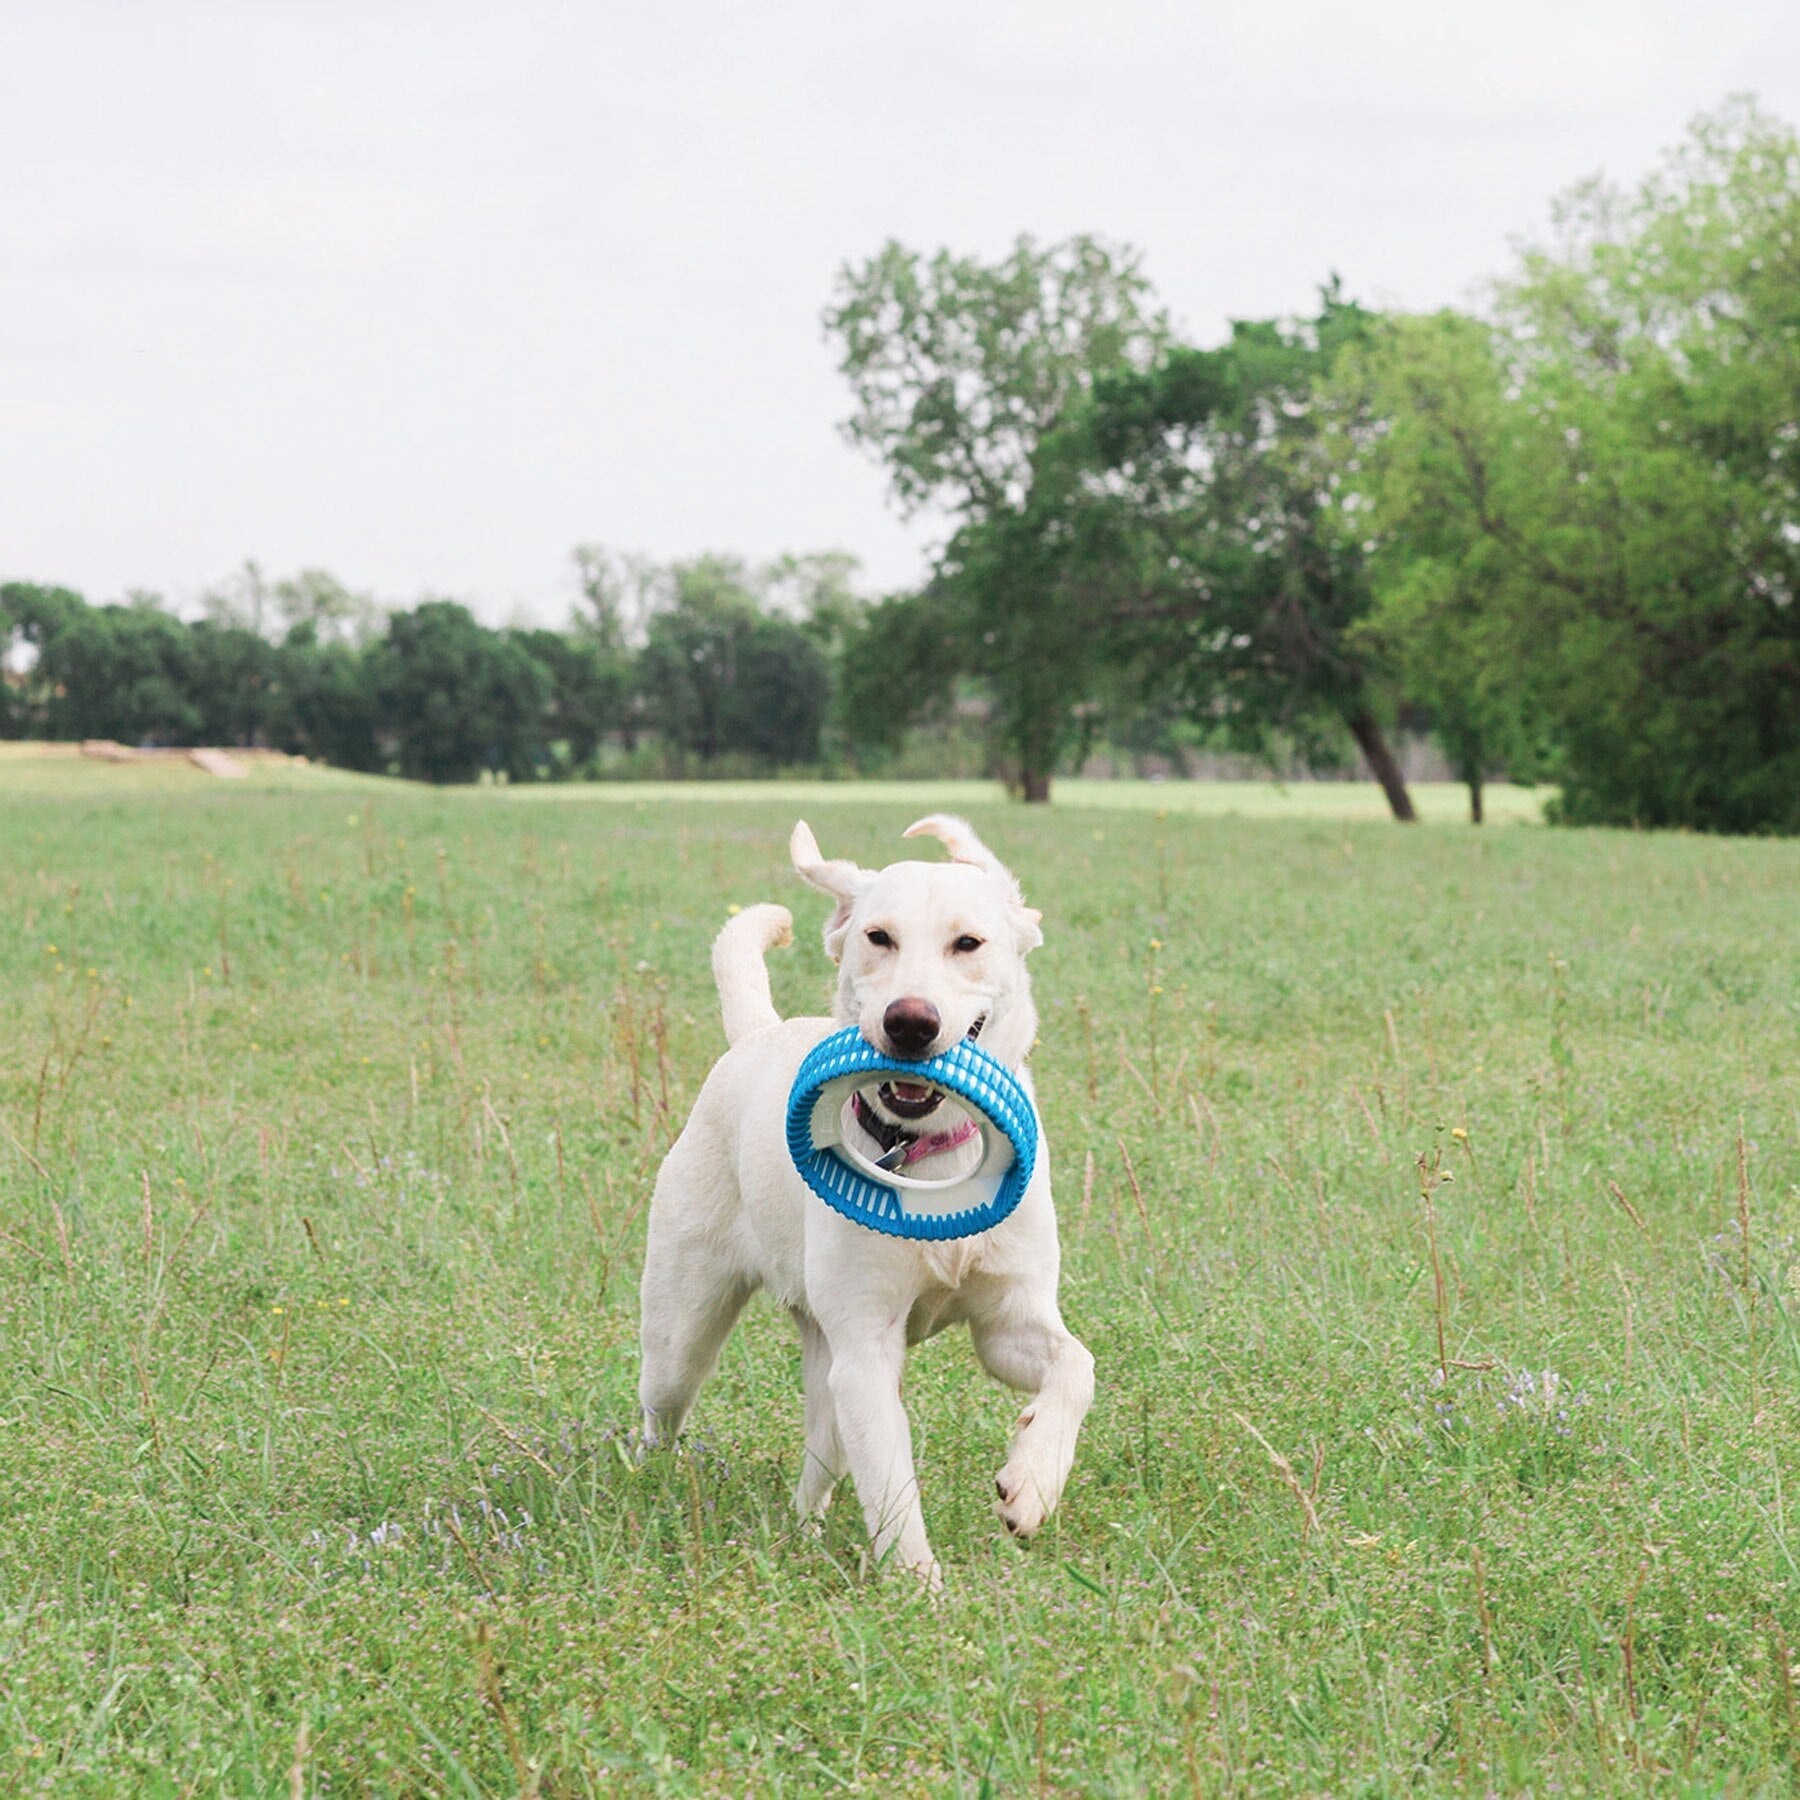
890,1137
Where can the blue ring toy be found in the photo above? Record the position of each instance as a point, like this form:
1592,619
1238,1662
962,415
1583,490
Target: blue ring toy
848,1183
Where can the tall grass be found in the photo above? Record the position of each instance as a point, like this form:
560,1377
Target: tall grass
1429,1201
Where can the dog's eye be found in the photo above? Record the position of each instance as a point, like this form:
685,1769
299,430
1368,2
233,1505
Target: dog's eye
965,944
880,939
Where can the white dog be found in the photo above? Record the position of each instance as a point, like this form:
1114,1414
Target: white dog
927,953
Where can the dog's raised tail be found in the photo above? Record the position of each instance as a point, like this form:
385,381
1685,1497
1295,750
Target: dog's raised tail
741,973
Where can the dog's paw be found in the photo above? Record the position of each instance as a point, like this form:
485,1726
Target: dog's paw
1023,1508
929,1575
812,1499
925,1573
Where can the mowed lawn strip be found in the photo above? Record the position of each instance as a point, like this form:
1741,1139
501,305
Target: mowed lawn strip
328,1119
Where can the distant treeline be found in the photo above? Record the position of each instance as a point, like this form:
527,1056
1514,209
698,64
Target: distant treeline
1563,537
687,669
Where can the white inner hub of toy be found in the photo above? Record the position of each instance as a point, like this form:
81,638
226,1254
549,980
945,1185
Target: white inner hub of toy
948,1168
968,1175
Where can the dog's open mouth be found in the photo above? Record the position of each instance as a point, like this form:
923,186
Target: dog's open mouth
909,1099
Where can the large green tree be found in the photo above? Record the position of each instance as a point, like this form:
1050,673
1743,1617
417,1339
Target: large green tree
234,677
327,705
1600,505
30,615
1243,592
457,698
960,372
1407,413
959,368
126,672
721,676
588,692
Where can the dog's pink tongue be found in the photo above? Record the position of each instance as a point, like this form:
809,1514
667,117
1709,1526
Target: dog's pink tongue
912,1090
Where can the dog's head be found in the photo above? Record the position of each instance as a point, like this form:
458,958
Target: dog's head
928,953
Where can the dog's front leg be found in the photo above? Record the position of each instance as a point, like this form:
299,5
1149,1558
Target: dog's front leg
1024,1343
866,1356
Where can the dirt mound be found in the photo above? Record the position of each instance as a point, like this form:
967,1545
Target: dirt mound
218,762
229,764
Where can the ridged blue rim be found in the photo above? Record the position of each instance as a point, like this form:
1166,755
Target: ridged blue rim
967,1071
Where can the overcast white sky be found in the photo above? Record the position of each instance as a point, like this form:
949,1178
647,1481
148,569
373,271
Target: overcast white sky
428,293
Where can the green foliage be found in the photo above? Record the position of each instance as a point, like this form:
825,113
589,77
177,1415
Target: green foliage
961,372
900,666
618,592
32,614
1438,579
779,695
1569,541
330,1113
29,615
959,368
231,675
459,699
733,662
1176,543
589,691
128,672
1040,590
1592,515
818,590
328,707
721,676
1250,598
315,599
1126,520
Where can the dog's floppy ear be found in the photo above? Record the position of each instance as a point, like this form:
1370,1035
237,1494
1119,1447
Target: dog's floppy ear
843,881
958,837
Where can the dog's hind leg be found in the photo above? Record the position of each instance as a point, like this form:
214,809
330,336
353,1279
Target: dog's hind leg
680,1346
692,1292
826,1464
1028,1346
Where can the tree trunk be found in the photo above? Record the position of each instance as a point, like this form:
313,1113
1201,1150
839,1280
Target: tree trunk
1474,782
1372,742
1035,784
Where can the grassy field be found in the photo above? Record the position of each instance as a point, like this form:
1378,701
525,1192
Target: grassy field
328,1115
25,768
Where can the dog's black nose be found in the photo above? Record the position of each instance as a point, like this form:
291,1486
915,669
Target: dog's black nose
911,1026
